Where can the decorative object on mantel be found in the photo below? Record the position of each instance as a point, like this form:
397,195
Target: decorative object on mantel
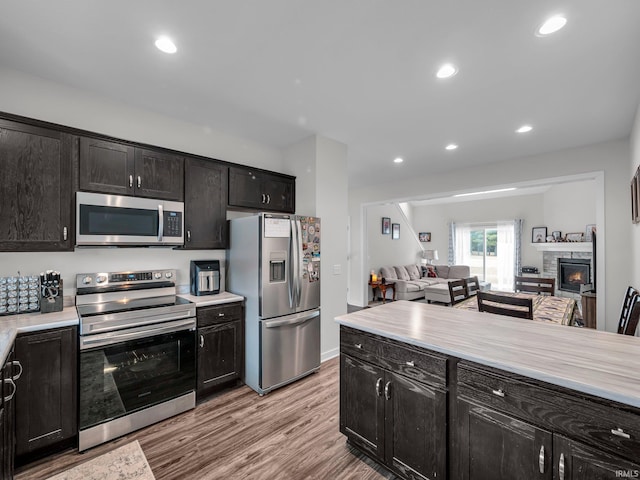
126,462
557,235
386,225
574,237
588,235
424,236
428,256
395,231
538,234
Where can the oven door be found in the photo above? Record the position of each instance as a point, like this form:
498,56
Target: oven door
119,376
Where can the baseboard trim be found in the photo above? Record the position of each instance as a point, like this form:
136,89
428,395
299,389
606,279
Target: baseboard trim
329,354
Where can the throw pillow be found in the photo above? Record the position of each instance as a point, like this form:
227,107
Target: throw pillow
431,271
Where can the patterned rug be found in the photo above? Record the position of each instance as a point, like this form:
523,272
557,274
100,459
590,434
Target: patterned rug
124,463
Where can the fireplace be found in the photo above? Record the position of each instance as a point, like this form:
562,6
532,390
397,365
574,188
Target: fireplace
573,272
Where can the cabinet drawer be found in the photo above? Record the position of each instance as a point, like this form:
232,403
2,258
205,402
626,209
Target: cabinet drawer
360,345
422,366
218,314
605,426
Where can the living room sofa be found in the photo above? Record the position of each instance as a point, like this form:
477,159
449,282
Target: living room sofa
412,281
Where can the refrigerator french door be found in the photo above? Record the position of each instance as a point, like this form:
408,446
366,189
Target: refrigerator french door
274,262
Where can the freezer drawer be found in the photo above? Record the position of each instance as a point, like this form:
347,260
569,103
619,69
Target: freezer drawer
290,348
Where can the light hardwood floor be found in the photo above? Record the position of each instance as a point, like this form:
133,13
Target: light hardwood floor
289,434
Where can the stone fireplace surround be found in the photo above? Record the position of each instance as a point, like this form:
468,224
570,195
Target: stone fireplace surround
550,268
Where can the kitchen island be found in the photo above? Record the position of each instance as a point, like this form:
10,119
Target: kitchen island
435,392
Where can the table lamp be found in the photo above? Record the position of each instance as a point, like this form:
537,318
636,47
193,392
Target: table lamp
430,256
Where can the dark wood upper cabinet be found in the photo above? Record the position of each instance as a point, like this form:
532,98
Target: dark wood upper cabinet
36,201
121,169
259,190
205,204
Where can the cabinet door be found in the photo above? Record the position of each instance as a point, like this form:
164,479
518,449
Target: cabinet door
280,194
159,175
35,188
497,446
47,390
362,405
416,429
576,461
106,167
220,354
205,204
245,188
7,419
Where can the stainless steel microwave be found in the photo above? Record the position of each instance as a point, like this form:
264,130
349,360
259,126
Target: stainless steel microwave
127,221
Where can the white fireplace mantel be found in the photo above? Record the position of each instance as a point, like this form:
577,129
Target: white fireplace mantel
563,246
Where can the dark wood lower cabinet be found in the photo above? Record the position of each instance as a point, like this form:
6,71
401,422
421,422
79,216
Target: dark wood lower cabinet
8,375
46,396
220,347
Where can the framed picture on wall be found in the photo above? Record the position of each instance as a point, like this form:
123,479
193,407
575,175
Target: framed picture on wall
539,234
386,225
424,236
395,231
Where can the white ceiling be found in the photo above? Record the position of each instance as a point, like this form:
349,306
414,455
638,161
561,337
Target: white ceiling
358,71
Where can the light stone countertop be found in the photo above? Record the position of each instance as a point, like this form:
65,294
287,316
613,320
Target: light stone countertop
217,299
12,325
603,364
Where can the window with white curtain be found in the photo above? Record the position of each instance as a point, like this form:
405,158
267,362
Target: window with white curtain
489,250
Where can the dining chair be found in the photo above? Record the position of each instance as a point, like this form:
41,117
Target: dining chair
505,305
458,291
537,285
473,285
625,312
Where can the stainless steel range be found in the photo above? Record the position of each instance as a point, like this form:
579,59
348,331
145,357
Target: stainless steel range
137,352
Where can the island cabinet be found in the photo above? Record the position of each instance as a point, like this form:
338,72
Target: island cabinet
8,375
514,427
220,346
393,404
259,190
122,169
46,395
205,204
35,188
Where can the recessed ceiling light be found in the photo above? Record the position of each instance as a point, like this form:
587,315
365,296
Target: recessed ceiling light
398,160
524,129
551,25
447,70
166,45
451,146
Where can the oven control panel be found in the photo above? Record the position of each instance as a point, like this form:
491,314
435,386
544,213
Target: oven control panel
103,279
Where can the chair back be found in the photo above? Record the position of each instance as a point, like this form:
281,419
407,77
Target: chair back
537,285
626,308
505,305
631,324
473,285
458,291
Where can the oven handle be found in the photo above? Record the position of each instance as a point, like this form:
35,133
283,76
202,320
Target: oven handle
111,338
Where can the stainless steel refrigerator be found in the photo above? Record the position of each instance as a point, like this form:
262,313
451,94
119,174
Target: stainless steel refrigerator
274,262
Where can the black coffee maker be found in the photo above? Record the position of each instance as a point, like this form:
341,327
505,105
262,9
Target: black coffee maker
205,277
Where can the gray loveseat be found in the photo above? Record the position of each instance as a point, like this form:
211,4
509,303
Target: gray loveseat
411,283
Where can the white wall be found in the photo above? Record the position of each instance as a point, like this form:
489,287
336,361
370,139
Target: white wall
570,207
635,229
608,161
33,97
320,165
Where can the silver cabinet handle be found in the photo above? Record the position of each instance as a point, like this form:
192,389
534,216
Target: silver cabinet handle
387,391
201,341
410,363
10,396
268,198
264,198
64,233
130,181
620,433
188,235
561,466
498,392
358,346
19,365
541,459
221,314
139,181
379,387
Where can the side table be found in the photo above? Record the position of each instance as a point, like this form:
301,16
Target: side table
383,289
